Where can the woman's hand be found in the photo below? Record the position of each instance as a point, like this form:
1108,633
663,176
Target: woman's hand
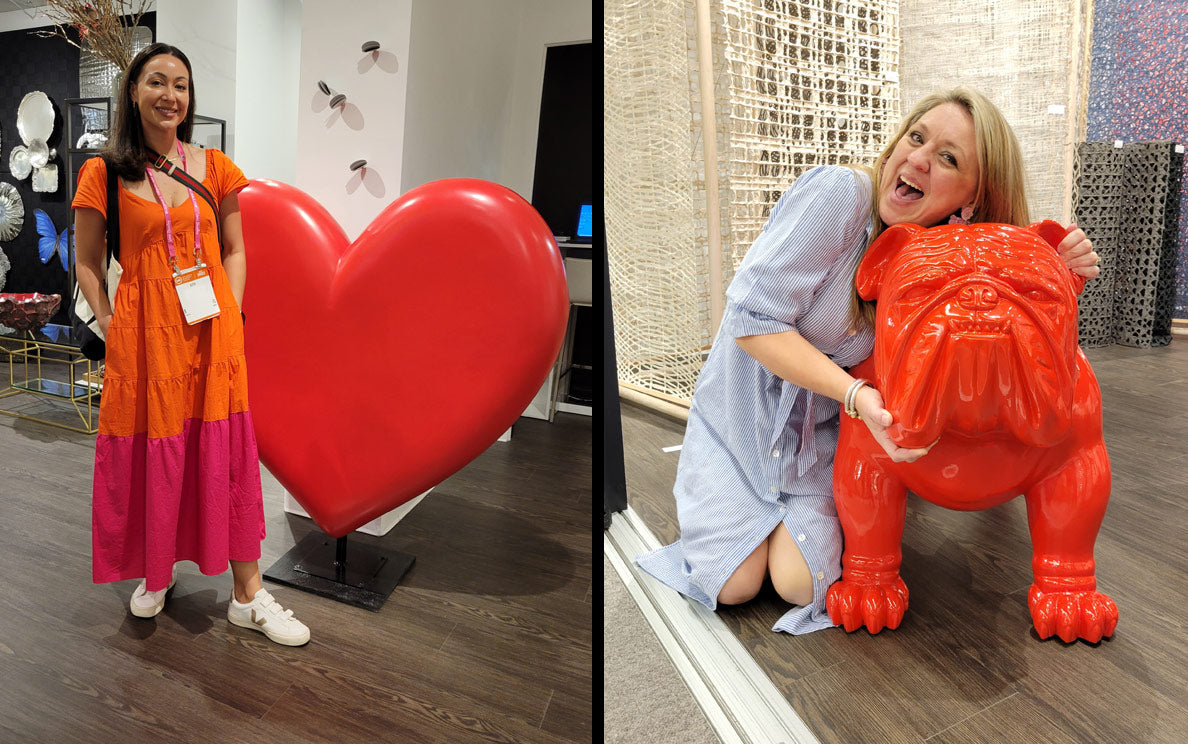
104,323
1078,254
869,403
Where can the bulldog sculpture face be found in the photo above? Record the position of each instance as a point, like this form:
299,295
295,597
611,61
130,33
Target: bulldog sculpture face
976,350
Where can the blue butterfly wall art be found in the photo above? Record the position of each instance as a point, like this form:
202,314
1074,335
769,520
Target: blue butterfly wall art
50,241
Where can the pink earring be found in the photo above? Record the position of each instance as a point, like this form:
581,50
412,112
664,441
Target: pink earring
963,218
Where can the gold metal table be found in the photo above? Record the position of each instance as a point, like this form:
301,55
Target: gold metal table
48,363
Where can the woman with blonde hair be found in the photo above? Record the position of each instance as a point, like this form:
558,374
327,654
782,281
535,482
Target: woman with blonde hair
754,481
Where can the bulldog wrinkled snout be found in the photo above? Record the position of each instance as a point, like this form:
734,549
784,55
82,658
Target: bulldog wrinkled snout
978,297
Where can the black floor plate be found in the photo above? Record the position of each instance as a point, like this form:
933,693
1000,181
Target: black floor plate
368,578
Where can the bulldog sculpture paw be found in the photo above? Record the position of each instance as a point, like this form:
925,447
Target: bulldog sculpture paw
1071,615
853,604
976,351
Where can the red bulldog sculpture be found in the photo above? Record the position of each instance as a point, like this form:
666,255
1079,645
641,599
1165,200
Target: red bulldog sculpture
976,350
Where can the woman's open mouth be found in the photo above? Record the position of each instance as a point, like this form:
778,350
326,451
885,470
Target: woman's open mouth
907,191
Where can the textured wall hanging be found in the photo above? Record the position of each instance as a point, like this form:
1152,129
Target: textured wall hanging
1139,90
656,215
1030,57
694,166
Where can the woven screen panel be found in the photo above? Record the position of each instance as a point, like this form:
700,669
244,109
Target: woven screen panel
654,194
797,84
1024,55
804,84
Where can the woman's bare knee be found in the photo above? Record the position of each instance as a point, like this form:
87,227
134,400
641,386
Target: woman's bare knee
790,573
797,589
747,579
736,592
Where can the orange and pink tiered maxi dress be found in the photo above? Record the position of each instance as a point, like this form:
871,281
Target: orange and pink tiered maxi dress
177,475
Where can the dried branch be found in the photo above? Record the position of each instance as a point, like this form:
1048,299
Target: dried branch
98,22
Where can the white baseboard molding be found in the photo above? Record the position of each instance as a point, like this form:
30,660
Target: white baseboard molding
578,408
737,697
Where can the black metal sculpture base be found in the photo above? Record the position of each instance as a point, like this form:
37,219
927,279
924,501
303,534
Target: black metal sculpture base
320,564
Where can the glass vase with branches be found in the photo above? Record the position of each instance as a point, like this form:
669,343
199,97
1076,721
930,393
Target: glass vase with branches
101,23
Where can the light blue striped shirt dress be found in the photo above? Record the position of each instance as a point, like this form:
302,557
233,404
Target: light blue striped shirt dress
758,450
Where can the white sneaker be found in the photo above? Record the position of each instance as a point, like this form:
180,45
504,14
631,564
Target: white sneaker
266,615
150,604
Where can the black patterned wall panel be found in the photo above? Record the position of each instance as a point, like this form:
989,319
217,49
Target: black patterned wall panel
50,65
1147,174
1128,203
1165,293
1099,212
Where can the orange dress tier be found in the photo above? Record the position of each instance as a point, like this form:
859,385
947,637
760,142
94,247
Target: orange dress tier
177,476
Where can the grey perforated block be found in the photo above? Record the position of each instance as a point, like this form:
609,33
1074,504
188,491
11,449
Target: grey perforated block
1147,179
1165,292
1098,212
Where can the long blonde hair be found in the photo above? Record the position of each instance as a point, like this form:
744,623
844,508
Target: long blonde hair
1001,195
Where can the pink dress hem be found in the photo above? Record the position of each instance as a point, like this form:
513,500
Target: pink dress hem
194,496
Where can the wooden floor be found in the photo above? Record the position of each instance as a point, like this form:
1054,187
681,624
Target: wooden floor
488,638
965,665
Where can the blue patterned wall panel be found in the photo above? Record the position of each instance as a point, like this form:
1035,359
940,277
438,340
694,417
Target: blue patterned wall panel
1138,88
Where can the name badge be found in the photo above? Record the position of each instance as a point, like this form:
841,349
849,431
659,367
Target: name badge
196,294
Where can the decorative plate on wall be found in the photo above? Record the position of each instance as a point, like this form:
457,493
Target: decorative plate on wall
45,180
12,212
18,163
35,117
39,153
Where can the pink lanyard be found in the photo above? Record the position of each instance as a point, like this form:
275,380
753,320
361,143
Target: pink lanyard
169,219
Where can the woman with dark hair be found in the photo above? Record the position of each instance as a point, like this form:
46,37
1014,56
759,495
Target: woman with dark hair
176,470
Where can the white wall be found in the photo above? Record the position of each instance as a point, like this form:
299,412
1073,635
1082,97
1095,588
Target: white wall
475,72
460,78
370,126
267,66
542,23
206,32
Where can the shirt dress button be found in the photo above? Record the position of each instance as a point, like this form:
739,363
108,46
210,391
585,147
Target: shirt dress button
774,489
820,576
775,453
800,537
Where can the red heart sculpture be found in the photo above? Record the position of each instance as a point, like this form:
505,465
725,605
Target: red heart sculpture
378,368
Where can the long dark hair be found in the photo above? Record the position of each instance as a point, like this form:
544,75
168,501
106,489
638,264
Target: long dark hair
125,149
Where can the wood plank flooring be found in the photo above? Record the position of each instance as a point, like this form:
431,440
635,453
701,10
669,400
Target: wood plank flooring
965,665
487,639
